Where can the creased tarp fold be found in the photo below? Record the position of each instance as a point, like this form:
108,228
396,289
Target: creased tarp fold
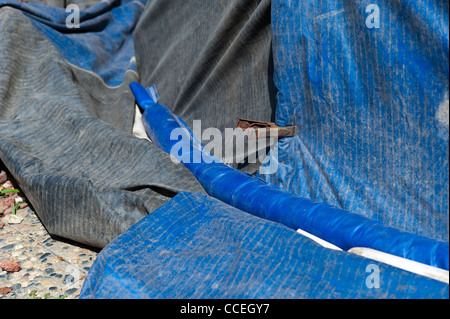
66,137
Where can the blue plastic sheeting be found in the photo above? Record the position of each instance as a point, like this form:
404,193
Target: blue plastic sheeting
339,227
370,100
198,247
366,82
103,43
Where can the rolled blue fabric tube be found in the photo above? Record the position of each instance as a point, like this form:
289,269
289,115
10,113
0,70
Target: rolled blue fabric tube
337,226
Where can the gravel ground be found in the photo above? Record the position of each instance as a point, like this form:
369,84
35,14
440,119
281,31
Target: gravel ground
45,267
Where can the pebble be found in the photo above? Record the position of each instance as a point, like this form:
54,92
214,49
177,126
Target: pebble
16,286
5,290
49,270
68,279
47,265
21,292
43,258
14,219
9,265
70,291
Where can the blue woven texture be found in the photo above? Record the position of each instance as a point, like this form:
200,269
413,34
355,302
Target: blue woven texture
198,247
371,105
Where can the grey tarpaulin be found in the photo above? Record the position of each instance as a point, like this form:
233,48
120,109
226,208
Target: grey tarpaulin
210,60
66,138
66,110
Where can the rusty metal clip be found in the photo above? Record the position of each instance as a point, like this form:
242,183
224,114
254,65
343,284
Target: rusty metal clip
266,129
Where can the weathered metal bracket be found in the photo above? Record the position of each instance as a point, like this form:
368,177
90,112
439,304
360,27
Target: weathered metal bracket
266,129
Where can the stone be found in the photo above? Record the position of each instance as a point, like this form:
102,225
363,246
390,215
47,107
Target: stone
8,247
13,219
16,286
49,270
71,291
68,279
5,290
9,265
43,257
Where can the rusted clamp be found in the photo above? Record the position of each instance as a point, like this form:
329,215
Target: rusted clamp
266,129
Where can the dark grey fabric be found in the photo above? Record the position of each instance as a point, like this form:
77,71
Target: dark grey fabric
66,138
210,60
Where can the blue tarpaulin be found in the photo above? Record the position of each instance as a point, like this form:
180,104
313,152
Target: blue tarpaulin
198,247
365,83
